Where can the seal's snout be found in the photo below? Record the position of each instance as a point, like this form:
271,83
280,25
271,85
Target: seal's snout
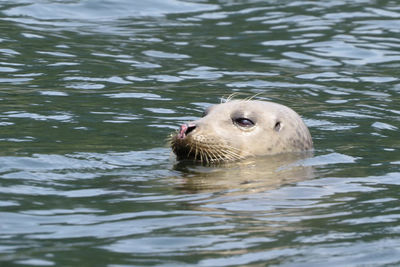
186,129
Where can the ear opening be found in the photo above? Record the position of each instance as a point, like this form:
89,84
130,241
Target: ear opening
278,126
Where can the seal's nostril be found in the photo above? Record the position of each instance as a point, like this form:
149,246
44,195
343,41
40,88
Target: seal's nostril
186,129
190,128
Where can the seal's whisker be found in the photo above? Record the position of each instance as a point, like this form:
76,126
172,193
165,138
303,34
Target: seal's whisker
208,152
170,139
201,153
222,152
221,155
230,97
190,150
234,154
196,151
209,156
252,97
203,156
211,153
218,152
227,152
232,150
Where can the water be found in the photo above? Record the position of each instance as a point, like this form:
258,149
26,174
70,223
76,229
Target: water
89,91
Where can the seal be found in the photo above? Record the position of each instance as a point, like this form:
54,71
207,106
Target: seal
240,129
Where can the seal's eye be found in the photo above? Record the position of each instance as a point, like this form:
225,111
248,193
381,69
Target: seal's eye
243,122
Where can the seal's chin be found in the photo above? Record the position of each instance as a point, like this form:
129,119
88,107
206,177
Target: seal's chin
204,150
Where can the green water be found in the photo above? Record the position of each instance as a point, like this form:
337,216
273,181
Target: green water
90,90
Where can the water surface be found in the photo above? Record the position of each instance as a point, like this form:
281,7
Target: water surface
90,90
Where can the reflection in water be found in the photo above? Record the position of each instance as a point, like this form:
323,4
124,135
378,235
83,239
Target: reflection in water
89,89
250,175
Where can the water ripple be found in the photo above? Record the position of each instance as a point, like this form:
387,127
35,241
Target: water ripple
105,10
91,89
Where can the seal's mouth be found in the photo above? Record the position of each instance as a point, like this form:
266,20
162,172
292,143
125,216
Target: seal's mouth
202,149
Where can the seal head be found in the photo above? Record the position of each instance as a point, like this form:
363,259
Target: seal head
239,129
